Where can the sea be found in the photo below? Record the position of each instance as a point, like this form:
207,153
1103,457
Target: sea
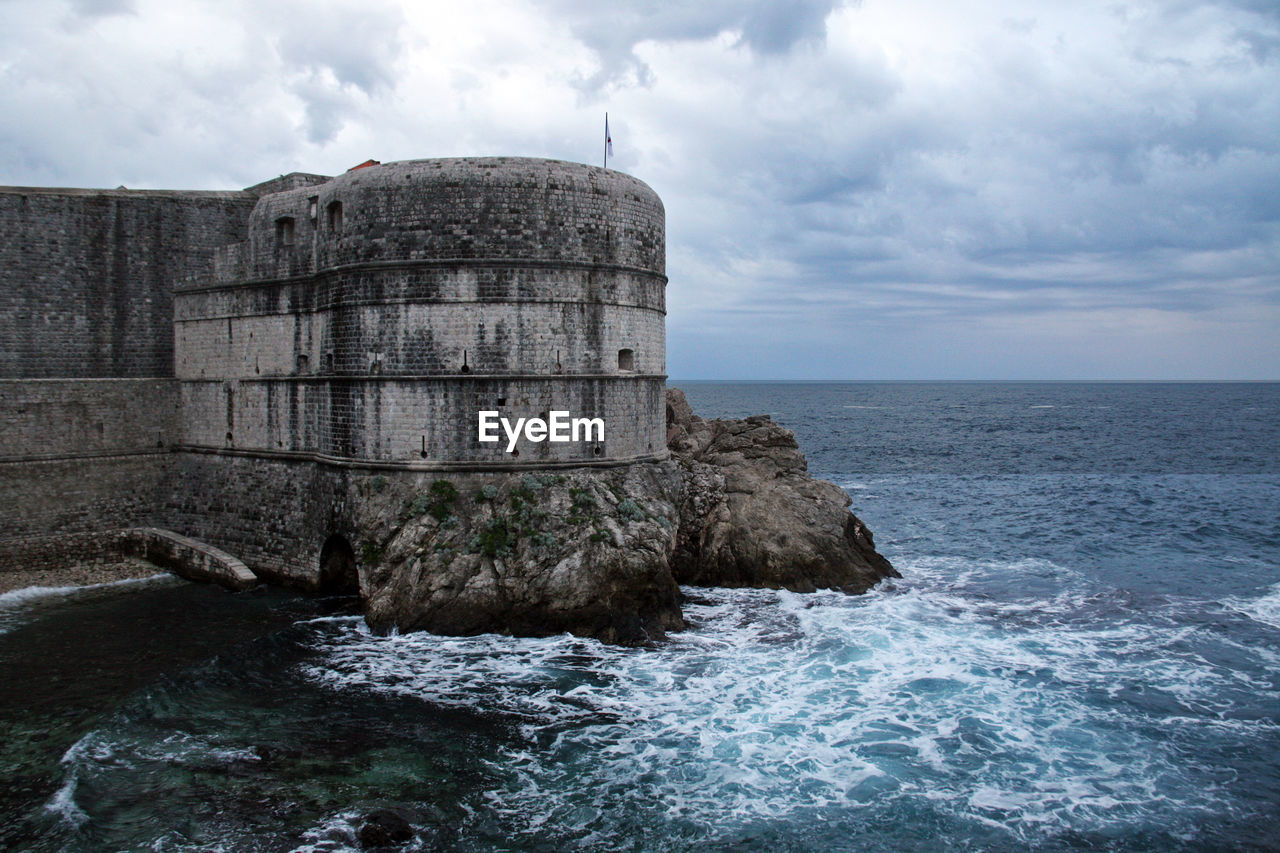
1082,653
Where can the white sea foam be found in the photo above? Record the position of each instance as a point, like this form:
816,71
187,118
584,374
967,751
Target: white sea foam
1027,715
1265,609
334,834
15,603
31,593
63,803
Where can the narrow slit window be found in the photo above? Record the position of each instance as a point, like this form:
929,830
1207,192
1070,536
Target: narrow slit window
334,216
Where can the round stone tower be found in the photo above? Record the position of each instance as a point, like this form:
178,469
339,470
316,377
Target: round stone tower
380,318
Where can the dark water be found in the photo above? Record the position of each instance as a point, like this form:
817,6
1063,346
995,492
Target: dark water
1083,654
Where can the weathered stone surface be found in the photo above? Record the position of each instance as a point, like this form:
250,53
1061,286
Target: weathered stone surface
584,551
752,516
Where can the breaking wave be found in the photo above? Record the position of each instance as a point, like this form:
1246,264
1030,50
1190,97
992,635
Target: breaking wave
1023,720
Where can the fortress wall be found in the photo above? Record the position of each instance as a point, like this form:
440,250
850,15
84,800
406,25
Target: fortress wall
536,273
438,289
394,421
500,207
274,514
64,496
68,418
397,336
86,276
462,208
80,455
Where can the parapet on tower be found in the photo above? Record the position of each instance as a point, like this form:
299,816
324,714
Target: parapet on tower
369,319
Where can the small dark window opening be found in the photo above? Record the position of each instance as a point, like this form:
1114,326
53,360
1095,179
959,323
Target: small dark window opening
313,204
596,450
303,361
328,362
284,231
626,359
334,216
502,401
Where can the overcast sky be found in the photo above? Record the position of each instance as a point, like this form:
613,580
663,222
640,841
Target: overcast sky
884,190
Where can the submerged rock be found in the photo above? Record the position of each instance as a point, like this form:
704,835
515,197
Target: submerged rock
599,552
751,514
384,828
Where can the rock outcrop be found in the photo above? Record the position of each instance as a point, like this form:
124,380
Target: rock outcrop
585,551
752,516
599,552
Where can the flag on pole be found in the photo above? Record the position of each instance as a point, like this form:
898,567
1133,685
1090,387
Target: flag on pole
608,142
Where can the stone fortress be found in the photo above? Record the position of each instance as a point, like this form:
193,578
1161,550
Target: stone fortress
288,382
228,365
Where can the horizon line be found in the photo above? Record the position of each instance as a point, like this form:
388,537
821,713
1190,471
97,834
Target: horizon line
671,380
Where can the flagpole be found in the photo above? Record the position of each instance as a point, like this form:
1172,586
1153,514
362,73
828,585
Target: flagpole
606,140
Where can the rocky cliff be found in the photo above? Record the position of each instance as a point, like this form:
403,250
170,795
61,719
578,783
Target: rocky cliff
599,552
587,551
750,514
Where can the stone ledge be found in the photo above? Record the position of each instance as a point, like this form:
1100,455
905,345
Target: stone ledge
187,557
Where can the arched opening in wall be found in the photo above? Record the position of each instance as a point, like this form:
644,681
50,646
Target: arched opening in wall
284,231
626,359
338,567
333,216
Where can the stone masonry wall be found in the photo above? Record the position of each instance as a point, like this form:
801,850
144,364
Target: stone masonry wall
274,514
86,276
80,455
421,422
425,319
168,367
371,318
72,418
57,497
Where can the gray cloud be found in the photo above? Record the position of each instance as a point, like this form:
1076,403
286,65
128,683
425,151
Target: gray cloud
614,30
851,191
99,8
358,43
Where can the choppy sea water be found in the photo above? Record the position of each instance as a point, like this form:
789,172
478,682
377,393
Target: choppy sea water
1083,654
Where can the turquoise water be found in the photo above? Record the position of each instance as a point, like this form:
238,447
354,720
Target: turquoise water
1083,654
